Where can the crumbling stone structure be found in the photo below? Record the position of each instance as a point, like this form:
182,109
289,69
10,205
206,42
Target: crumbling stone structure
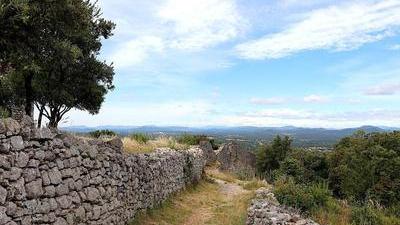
52,178
235,159
266,210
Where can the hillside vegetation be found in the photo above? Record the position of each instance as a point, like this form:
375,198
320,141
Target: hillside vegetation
356,183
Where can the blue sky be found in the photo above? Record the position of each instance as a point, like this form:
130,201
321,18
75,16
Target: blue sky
310,63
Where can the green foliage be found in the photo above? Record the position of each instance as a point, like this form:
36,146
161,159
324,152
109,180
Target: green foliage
140,137
305,166
363,169
269,156
190,139
52,47
365,215
102,133
366,167
304,197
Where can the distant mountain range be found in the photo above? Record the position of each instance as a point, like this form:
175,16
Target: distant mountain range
305,137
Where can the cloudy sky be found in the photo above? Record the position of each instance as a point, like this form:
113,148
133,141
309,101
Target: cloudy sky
310,63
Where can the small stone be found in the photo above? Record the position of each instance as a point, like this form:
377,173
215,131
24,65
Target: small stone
12,209
60,221
30,174
4,162
3,217
34,189
15,173
3,195
45,178
49,191
62,189
5,147
64,202
55,176
22,160
92,194
17,143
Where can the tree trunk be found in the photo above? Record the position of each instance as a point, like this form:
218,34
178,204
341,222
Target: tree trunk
40,116
29,95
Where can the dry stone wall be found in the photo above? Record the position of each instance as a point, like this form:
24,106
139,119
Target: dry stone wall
266,210
52,178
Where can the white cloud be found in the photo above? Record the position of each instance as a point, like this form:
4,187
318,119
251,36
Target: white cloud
315,99
136,51
342,27
187,113
199,24
171,27
306,118
383,89
268,101
395,47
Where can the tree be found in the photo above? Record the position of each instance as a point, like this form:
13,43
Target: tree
271,155
53,46
364,167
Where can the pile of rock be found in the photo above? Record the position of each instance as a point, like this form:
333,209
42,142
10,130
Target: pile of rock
266,210
52,178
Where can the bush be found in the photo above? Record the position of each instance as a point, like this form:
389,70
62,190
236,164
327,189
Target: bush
190,139
303,197
140,137
366,167
102,133
365,215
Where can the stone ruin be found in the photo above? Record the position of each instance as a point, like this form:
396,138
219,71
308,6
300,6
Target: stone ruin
52,178
266,210
233,158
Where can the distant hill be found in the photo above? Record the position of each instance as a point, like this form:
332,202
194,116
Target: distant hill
304,137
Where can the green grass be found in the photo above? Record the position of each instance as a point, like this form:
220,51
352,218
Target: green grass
203,204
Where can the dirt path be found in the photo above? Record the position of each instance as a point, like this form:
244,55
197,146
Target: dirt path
230,190
218,200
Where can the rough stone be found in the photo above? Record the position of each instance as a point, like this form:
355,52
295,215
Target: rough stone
22,160
3,195
12,126
34,189
15,173
5,147
42,134
17,143
4,162
55,176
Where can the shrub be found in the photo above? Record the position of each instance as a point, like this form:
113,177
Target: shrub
190,139
303,197
367,167
102,133
365,215
140,137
